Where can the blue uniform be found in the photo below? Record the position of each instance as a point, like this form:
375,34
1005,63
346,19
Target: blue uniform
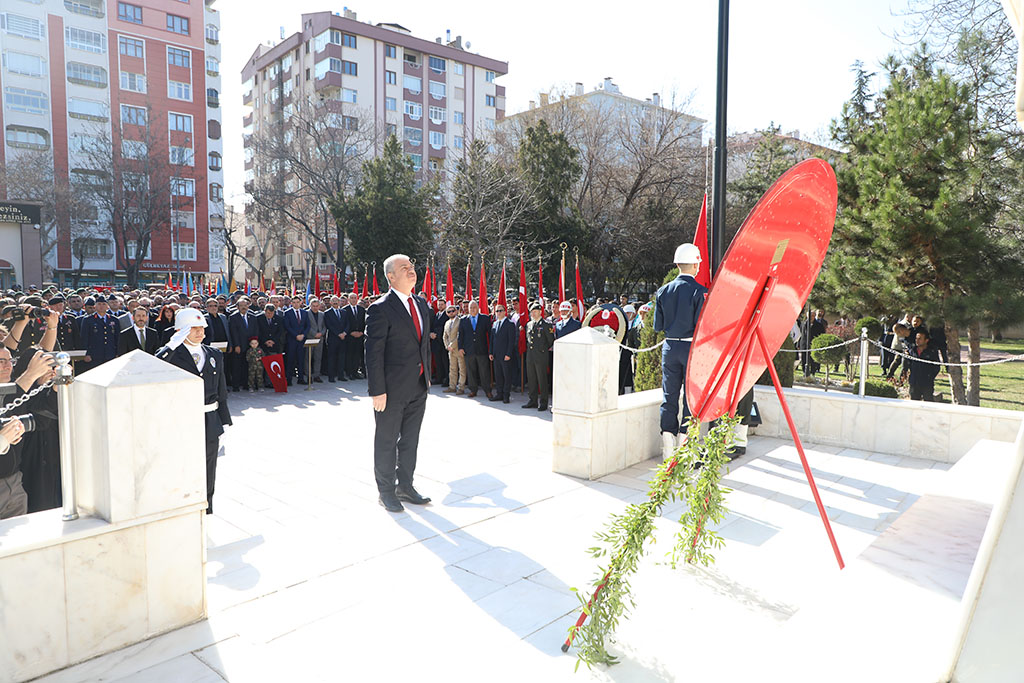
99,339
677,308
565,327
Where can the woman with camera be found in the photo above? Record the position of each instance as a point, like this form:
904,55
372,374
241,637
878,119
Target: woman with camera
30,324
39,450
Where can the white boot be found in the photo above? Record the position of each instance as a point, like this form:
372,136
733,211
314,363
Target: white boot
681,439
668,445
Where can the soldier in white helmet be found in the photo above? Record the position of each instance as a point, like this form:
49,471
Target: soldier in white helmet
187,351
677,308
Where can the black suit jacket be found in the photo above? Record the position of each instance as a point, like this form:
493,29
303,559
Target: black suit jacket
271,330
128,340
394,356
504,339
357,319
241,328
215,383
475,343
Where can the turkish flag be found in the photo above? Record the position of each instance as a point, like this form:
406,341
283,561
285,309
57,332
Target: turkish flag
449,290
703,276
483,290
274,365
501,289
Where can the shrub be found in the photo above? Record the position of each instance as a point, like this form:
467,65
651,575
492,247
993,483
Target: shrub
648,363
827,356
784,362
874,326
879,387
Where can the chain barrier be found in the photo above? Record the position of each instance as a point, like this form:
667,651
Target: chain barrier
855,340
932,362
22,399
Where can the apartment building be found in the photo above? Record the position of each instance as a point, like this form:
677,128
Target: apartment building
435,95
75,71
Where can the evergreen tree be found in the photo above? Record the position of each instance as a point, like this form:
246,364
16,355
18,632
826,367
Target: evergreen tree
387,214
770,159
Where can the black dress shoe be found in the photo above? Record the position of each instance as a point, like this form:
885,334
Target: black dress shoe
318,380
531,404
411,495
331,380
505,400
495,398
390,502
542,406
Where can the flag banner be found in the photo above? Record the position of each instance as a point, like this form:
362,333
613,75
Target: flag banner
469,284
274,365
561,280
501,290
580,307
334,282
483,290
355,283
703,276
540,283
449,290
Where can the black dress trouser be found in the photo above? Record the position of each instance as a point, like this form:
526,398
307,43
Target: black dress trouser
396,438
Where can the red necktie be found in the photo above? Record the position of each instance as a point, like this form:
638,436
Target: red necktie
416,323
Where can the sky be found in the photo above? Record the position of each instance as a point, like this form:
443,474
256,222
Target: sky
789,60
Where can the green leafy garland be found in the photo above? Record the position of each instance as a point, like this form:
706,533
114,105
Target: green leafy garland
693,474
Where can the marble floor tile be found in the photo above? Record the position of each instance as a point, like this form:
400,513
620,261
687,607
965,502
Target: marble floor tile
183,668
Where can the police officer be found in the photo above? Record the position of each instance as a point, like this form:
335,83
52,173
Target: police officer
187,351
677,308
540,339
98,334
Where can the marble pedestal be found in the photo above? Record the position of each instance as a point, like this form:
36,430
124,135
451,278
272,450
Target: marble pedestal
133,565
596,431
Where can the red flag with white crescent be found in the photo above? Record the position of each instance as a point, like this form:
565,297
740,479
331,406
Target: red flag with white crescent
501,289
376,289
449,291
274,365
483,290
703,276
523,312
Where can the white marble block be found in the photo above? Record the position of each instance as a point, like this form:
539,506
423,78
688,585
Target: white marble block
139,438
586,372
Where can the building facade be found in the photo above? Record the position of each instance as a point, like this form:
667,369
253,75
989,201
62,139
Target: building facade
434,95
80,71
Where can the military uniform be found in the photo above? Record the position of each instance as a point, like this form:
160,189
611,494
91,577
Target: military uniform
99,339
540,339
677,308
254,360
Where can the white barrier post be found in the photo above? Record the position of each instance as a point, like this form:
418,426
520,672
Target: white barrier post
863,359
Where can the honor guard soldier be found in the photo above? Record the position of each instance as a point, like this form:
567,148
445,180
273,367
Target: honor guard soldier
540,339
187,351
677,308
566,324
98,334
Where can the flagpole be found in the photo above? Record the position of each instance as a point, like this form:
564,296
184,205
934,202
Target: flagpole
718,213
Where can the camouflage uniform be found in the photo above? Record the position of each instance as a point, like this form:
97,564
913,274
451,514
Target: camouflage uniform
254,359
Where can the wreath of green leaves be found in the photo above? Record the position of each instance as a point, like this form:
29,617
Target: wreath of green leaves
692,474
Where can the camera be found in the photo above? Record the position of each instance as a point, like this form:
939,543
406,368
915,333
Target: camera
18,313
28,421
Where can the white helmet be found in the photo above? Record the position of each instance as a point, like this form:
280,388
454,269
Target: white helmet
565,306
687,253
188,318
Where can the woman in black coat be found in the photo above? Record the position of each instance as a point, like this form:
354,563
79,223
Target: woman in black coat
40,449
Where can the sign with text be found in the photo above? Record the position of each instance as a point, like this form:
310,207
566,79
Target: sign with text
19,213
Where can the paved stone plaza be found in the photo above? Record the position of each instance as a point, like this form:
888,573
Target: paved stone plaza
311,580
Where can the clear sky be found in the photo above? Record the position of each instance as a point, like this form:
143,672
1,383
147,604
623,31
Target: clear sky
789,60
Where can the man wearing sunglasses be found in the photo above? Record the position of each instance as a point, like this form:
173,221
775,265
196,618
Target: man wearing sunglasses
503,343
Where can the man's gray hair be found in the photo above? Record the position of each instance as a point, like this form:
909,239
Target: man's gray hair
389,262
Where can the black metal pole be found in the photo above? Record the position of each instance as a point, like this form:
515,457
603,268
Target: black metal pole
719,174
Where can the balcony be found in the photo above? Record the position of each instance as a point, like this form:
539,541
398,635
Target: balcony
247,98
212,102
247,120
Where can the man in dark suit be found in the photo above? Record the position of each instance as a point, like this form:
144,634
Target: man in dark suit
473,332
187,351
296,326
241,326
355,340
139,335
398,374
504,344
271,334
338,323
437,349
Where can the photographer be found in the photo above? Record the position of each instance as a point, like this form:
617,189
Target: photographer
39,449
13,500
30,324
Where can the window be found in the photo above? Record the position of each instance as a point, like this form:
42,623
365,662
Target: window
417,161
459,117
183,219
349,68
438,65
414,136
87,177
183,251
132,246
183,187
90,8
176,24
133,82
434,164
458,69
412,84
412,59
349,122
212,66
212,34
213,98
80,39
179,122
460,93
130,13
133,149
19,63
130,47
348,40
414,110
390,77
181,156
87,74
216,162
489,124
92,248
213,129
436,139
390,104
458,142
438,114
29,138
28,101
489,100
26,27
489,76
177,57
390,51
179,91
91,110
216,192
392,129
437,90
349,95
135,116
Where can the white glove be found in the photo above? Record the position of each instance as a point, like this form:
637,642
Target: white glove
178,337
